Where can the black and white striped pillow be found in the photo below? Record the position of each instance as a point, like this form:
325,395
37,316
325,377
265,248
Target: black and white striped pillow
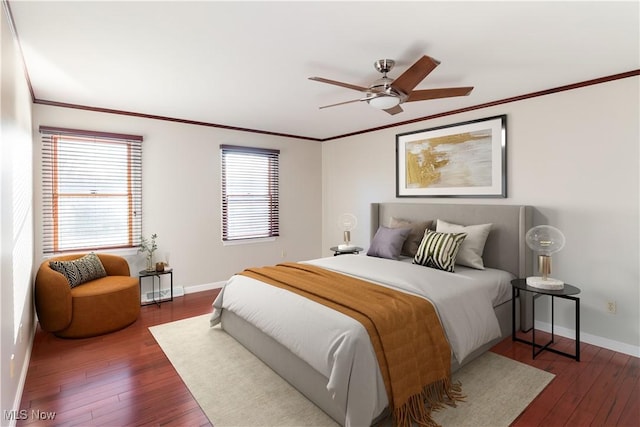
80,270
439,250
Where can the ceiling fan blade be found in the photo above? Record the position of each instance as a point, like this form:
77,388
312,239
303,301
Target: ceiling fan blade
415,74
341,84
342,103
423,95
394,110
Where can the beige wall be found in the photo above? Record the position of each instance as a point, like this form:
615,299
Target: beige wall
572,155
181,194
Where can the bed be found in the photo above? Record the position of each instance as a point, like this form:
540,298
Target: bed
282,328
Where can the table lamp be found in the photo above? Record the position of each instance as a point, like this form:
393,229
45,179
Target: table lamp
545,240
347,222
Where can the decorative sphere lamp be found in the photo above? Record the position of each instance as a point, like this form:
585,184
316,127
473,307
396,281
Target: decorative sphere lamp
347,222
545,240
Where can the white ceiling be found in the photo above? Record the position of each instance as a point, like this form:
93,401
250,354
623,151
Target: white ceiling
246,64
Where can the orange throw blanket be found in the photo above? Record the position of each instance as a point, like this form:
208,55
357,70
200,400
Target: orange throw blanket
412,350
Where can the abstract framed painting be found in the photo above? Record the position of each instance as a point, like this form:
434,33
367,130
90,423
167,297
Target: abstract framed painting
461,160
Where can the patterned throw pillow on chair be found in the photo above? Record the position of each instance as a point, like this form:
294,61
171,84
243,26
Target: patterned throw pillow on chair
439,250
80,270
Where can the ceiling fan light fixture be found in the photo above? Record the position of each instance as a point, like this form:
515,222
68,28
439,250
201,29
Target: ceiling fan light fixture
384,102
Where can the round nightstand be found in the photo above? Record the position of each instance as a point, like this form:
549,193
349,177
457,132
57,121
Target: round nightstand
519,285
352,250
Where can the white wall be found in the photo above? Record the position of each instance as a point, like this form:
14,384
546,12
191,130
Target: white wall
572,155
181,193
16,223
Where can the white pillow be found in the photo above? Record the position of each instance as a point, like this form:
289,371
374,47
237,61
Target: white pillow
470,253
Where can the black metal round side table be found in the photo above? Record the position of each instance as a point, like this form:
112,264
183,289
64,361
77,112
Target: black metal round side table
352,250
566,292
153,274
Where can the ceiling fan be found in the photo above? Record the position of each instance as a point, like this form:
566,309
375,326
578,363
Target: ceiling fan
387,94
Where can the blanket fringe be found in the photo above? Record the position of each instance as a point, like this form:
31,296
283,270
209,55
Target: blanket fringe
417,410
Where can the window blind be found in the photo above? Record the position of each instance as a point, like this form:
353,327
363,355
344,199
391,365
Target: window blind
91,190
250,192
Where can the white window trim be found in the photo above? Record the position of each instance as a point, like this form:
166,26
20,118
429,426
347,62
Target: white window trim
248,241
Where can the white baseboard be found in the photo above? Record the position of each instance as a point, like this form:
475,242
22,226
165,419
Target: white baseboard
618,346
23,377
163,294
205,287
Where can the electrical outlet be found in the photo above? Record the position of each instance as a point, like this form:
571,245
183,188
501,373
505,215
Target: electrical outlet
284,253
611,307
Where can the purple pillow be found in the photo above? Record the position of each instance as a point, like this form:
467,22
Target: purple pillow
387,243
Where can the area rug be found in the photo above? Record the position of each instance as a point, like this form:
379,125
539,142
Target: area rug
234,388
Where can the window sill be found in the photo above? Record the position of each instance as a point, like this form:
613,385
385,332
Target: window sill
123,252
248,241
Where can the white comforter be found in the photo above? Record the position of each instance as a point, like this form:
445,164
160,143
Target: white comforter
338,346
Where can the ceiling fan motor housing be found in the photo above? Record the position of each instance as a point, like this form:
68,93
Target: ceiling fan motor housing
382,86
384,65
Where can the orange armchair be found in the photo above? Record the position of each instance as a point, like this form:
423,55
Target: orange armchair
93,308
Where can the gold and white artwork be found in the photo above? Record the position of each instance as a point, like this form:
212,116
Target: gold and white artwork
460,160
457,160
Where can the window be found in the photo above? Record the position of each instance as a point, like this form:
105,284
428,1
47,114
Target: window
249,193
91,190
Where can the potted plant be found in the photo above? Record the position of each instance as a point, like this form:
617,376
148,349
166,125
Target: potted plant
148,247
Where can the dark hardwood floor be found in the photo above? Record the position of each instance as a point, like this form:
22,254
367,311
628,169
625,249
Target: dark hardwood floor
117,379
124,378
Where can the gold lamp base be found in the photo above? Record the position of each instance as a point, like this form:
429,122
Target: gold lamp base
347,242
544,282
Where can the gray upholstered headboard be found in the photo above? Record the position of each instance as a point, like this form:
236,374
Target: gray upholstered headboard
505,248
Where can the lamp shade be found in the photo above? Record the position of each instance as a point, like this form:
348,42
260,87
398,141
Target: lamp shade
384,102
347,221
545,239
